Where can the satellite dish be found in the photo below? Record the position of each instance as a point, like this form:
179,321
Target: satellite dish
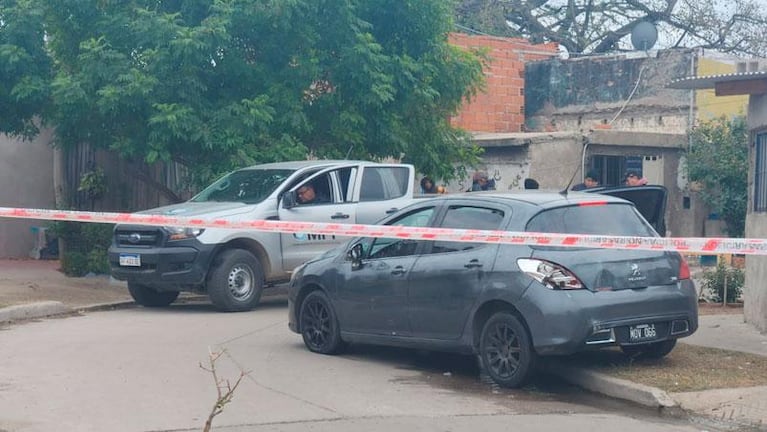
644,35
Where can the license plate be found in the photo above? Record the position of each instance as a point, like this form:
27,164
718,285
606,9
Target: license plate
130,260
642,332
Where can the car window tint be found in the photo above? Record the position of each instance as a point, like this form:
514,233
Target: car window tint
465,217
383,183
608,219
389,247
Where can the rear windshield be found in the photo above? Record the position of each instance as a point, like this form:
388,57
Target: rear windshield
609,219
249,186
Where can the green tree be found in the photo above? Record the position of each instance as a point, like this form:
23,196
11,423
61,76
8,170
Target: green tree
600,26
218,84
718,160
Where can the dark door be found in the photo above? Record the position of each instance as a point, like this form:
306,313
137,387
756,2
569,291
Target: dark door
447,279
372,299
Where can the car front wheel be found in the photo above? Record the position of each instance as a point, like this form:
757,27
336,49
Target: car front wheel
505,350
236,281
319,325
654,350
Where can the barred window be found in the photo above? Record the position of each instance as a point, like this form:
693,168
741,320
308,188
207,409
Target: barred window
760,178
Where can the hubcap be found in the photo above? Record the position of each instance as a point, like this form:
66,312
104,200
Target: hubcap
240,282
316,324
503,351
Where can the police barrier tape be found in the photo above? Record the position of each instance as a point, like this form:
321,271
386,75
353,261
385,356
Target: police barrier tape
679,244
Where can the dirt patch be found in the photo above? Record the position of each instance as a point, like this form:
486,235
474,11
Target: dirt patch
686,368
705,308
29,281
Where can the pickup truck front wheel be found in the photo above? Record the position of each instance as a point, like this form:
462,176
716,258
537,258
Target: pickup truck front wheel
236,281
148,297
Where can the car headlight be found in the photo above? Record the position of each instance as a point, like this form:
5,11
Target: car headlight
181,233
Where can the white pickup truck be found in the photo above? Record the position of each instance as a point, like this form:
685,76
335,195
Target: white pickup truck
233,266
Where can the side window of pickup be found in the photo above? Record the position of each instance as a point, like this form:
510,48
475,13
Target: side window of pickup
384,183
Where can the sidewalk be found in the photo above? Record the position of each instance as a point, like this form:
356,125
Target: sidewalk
33,289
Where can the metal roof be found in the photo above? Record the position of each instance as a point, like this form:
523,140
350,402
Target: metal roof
710,81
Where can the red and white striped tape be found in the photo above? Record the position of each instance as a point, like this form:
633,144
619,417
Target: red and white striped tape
679,244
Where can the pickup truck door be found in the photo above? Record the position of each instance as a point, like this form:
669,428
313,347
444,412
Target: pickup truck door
335,186
381,190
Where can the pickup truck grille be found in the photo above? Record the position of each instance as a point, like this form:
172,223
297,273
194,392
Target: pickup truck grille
139,237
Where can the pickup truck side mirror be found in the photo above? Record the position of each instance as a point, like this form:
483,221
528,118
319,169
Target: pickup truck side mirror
355,256
289,199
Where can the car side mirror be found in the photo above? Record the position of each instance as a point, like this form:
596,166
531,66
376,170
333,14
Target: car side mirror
355,256
289,199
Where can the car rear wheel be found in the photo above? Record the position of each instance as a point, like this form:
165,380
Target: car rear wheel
654,350
319,325
236,281
150,297
505,350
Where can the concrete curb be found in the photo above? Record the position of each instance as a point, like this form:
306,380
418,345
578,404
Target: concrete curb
32,311
614,387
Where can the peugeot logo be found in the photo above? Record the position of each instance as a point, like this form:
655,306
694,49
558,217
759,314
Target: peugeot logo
134,238
636,274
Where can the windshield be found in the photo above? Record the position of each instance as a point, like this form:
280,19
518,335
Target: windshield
249,186
608,219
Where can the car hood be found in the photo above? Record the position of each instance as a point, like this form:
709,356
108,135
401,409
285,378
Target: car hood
207,209
650,200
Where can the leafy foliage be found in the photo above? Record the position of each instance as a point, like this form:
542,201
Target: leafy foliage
587,26
718,159
714,281
218,84
86,247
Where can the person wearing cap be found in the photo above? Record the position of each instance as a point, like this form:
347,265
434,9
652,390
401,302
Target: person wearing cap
633,178
589,181
481,182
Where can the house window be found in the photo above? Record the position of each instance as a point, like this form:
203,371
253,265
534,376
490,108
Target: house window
760,174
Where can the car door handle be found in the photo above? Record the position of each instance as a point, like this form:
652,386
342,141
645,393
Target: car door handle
398,270
473,264
340,216
392,210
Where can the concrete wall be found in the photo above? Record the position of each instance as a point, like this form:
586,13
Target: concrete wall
755,291
501,106
624,92
26,173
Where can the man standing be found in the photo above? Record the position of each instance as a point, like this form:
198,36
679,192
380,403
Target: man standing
633,178
589,181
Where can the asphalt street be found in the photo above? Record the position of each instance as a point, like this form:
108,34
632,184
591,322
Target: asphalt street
139,369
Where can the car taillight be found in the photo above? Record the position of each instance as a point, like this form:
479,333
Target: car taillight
552,275
684,269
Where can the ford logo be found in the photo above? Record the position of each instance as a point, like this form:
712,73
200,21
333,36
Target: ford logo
134,238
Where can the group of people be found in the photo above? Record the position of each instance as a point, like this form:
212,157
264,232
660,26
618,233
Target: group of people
591,180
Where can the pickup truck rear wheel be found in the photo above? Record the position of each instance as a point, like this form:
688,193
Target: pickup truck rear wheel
236,281
149,297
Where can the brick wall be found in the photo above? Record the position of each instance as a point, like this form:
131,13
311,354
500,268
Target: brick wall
501,107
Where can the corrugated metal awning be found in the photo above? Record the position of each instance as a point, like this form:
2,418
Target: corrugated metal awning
710,81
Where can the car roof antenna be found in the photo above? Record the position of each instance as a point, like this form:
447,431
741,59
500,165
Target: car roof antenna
563,192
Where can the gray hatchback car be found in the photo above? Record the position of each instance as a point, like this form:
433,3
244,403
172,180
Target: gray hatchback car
507,304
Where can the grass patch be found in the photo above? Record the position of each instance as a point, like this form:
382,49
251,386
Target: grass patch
686,368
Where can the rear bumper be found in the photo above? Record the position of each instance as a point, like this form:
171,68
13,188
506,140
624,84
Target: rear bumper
563,322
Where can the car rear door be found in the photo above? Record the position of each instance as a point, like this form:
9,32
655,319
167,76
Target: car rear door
447,279
381,190
650,201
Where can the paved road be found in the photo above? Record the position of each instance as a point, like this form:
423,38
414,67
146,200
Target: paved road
139,370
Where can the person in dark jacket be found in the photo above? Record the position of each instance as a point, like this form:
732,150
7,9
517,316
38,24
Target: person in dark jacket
481,182
589,181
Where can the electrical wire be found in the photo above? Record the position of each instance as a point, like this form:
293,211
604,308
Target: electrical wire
631,95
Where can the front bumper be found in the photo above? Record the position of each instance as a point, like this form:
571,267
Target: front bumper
177,266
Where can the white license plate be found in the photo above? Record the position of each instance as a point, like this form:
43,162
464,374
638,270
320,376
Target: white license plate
130,260
642,332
